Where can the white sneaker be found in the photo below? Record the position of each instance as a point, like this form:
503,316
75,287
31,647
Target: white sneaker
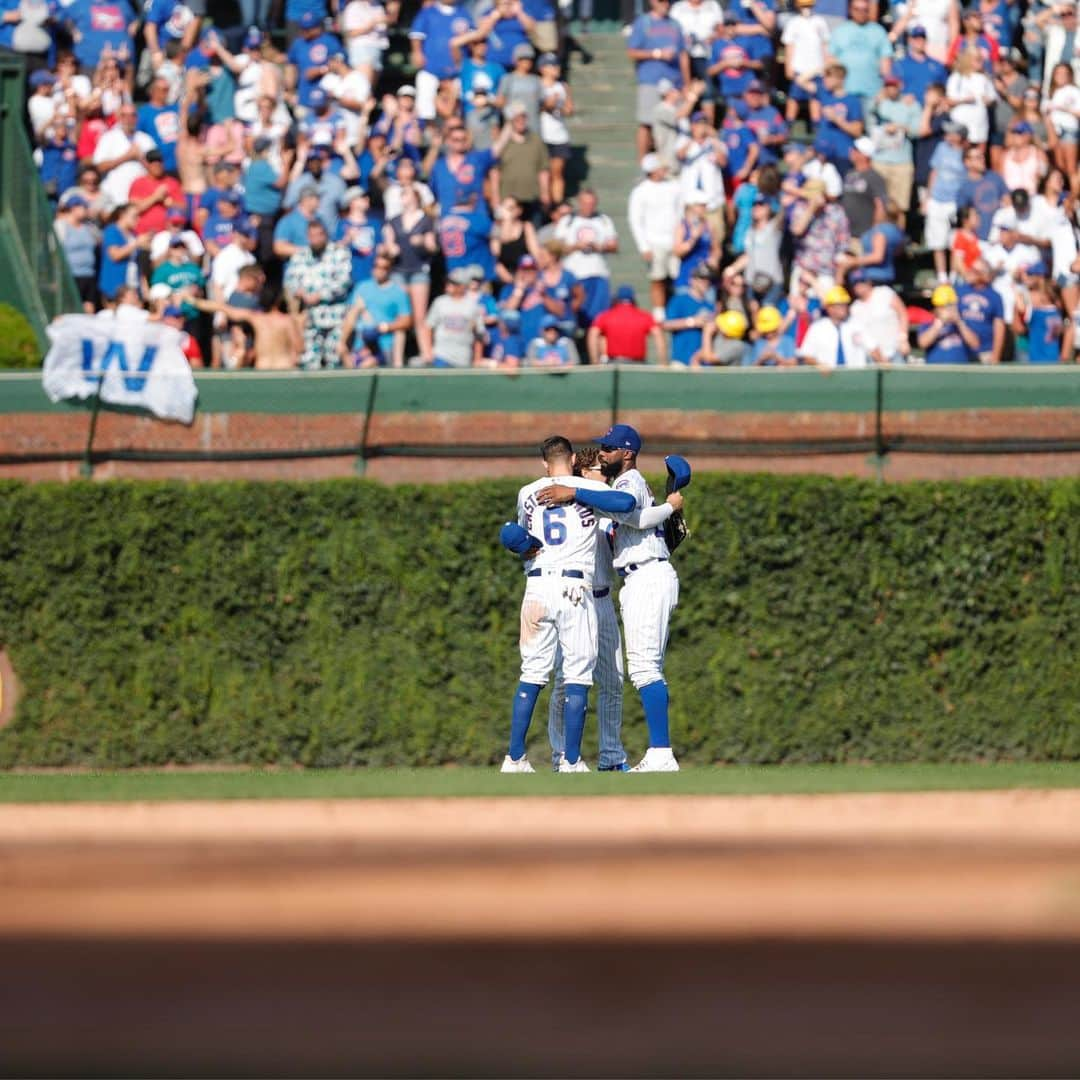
521,765
578,766
657,759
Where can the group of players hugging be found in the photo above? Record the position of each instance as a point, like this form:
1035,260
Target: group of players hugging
591,517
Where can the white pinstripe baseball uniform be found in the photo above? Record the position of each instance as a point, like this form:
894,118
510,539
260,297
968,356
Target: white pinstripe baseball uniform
650,589
608,674
558,609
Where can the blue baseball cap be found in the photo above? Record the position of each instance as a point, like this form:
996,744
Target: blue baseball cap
621,436
318,98
624,293
549,322
1023,128
917,31
514,538
42,78
1038,269
172,312
309,20
253,38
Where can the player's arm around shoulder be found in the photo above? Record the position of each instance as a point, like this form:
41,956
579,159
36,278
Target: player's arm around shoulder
587,492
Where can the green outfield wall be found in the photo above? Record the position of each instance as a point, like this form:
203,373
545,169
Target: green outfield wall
350,623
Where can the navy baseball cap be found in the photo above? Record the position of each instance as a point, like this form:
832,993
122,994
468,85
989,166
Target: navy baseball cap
622,437
917,31
624,293
253,38
1023,128
172,312
318,98
513,537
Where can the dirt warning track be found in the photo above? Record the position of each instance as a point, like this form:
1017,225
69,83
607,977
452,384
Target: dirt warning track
921,934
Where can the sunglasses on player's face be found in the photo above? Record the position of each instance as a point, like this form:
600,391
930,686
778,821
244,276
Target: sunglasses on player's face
609,449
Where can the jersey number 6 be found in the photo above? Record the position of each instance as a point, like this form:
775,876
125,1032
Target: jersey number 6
554,529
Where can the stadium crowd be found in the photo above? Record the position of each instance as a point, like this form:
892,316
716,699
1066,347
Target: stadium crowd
273,184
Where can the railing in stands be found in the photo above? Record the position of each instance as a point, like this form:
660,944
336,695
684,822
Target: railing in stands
34,274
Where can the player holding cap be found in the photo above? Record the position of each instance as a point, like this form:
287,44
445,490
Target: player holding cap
650,590
558,543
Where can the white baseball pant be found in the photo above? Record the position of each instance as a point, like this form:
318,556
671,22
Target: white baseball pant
558,614
648,597
609,690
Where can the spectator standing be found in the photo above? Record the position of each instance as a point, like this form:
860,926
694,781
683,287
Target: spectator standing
1009,87
699,21
880,319
760,260
622,333
556,104
937,22
881,246
948,339
655,210
1040,320
834,341
455,325
702,156
120,155
692,243
79,237
458,174
435,56
688,312
657,47
161,121
1023,164
917,70
764,120
311,171
317,280
553,348
521,86
309,57
864,190
155,194
381,304
985,190
894,124
364,26
821,231
1063,108
806,40
947,176
524,169
1060,42
291,230
838,114
864,49
411,241
588,237
970,93
981,309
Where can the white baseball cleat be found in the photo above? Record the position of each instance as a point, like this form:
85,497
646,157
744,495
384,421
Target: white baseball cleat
578,766
657,759
521,765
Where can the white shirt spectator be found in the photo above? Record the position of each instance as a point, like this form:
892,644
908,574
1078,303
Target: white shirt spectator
877,322
1063,103
827,173
976,115
806,39
699,22
352,87
700,171
159,246
822,340
656,207
1005,262
357,15
225,269
113,144
597,231
392,198
41,108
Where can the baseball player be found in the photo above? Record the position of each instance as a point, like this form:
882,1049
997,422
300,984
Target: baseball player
608,674
557,611
650,590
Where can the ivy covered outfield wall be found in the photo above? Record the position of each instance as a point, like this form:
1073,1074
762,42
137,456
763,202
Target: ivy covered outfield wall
346,623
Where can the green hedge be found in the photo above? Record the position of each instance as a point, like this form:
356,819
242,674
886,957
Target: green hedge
349,623
18,344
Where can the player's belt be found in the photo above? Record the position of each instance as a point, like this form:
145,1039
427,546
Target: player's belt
624,570
565,573
599,594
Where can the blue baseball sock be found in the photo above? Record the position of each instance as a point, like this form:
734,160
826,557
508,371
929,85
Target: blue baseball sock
574,719
524,702
654,700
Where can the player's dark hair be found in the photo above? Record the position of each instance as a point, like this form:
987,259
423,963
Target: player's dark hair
555,446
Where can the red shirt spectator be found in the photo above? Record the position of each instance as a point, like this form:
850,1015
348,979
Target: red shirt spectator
625,329
154,195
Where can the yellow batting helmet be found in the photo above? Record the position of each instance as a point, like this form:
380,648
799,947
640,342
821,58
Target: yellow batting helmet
768,320
943,296
732,324
837,295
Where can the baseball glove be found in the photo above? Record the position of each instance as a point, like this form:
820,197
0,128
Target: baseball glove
678,476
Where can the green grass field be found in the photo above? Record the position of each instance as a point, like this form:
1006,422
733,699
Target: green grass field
461,782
